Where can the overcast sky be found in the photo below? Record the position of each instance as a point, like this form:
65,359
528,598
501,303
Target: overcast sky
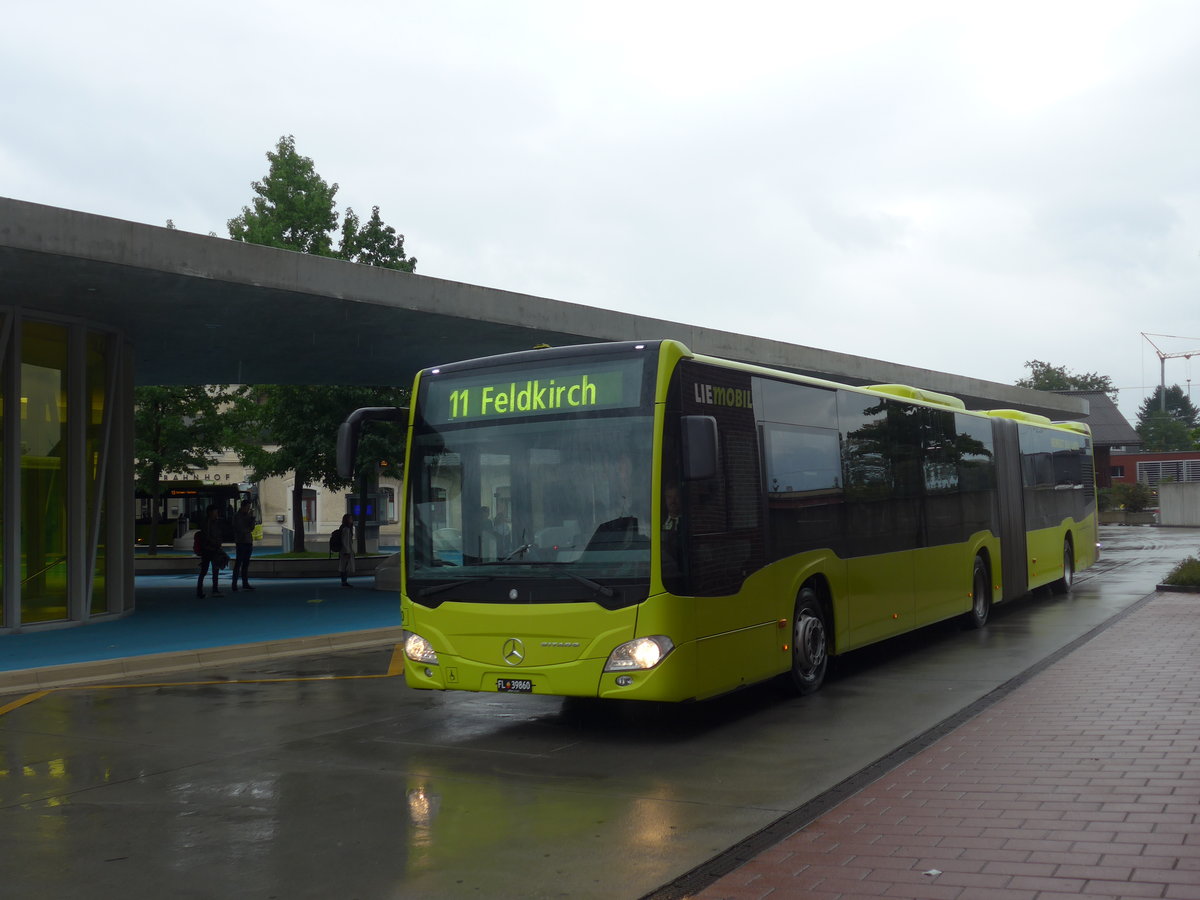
954,185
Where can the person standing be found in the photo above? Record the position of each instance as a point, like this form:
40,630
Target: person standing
243,542
346,550
209,545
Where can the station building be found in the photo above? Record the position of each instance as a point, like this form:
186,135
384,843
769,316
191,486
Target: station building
91,306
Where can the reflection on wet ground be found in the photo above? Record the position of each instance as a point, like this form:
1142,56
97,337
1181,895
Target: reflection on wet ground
303,778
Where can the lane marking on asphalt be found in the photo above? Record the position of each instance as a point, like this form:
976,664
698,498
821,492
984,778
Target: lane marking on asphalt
396,667
28,698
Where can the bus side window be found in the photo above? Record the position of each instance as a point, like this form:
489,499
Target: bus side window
699,448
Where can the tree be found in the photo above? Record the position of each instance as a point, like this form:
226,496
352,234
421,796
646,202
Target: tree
374,244
301,421
176,430
294,207
1172,428
294,210
1045,377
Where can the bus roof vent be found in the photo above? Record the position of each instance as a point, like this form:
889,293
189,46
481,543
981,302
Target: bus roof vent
912,393
1019,415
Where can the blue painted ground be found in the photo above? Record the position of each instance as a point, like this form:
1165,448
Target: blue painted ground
168,617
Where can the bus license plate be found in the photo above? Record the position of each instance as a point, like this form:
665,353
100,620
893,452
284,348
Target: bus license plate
514,685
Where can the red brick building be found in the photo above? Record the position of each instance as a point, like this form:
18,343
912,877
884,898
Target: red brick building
1153,468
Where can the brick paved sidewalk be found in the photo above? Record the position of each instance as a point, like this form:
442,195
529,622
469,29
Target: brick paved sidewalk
1083,782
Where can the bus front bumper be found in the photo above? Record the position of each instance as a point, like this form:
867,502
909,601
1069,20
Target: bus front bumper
669,680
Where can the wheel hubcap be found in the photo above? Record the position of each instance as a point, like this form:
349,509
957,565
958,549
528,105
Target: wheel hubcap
810,643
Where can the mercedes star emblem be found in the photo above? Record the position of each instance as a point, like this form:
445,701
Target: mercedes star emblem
514,652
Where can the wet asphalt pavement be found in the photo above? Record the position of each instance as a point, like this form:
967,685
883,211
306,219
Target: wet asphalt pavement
322,777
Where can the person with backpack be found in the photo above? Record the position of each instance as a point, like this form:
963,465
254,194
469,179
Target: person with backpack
342,543
207,546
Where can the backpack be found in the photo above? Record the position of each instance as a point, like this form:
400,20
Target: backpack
198,542
335,542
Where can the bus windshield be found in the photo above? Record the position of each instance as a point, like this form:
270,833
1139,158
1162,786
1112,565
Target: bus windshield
553,499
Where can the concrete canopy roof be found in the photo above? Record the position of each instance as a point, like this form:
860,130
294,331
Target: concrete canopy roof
201,309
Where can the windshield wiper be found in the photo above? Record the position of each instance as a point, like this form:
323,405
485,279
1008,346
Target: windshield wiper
522,550
438,588
602,590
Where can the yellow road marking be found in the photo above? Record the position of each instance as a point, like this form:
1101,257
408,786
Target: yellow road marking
397,664
28,698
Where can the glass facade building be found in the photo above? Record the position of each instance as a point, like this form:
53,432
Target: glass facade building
66,408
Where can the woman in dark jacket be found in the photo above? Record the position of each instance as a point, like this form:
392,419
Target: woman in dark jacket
243,542
210,552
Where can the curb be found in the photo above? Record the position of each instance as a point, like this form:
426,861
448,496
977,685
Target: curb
260,567
106,670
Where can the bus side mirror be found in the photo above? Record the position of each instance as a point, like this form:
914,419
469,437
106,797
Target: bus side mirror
349,431
699,447
347,448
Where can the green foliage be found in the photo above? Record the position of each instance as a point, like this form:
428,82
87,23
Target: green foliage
1177,405
373,244
1161,433
1186,573
294,210
176,430
1045,377
1172,428
1134,497
294,207
300,422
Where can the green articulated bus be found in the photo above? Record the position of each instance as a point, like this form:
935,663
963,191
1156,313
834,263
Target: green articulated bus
632,520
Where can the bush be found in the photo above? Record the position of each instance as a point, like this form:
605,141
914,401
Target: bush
1132,497
1186,573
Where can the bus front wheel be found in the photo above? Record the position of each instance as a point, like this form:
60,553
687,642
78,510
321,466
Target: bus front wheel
810,644
1063,585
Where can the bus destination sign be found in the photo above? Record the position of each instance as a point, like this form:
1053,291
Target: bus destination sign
532,392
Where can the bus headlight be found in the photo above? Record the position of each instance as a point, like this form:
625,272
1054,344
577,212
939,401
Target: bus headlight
640,653
419,650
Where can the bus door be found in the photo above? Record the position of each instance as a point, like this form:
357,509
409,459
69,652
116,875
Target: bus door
959,504
723,544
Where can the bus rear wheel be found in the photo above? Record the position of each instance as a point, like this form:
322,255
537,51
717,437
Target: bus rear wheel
810,643
981,595
1063,585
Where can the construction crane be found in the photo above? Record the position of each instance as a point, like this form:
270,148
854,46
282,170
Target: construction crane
1162,362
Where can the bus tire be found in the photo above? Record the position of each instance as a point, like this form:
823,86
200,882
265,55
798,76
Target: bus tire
981,596
810,643
1064,584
